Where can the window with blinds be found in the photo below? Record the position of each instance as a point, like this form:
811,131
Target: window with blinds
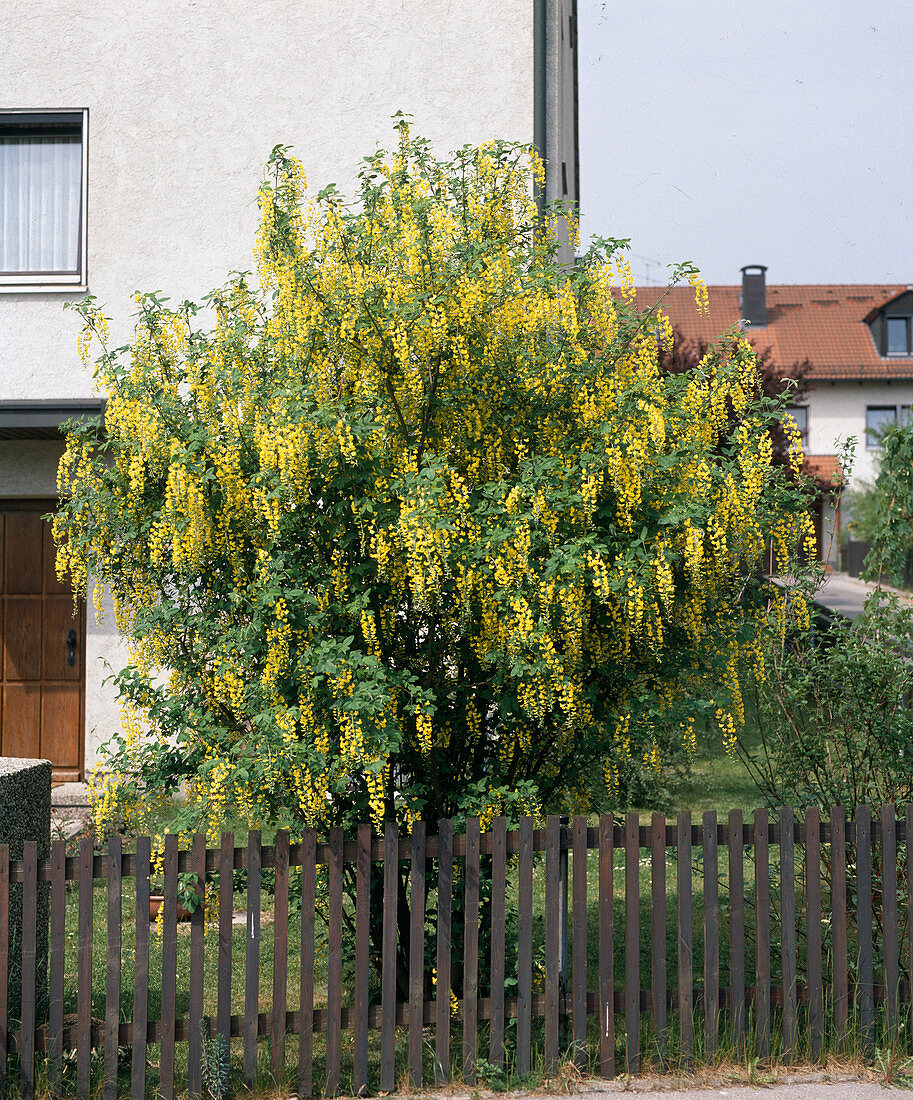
42,198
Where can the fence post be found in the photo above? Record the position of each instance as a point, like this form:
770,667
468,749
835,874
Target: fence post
889,896
563,875
552,923
471,952
788,929
632,942
711,932
762,931
865,977
685,957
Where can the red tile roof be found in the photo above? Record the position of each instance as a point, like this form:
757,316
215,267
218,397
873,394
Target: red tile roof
824,324
825,469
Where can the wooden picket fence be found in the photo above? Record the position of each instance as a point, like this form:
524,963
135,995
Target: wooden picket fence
836,922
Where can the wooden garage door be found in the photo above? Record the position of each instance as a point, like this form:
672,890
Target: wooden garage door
42,645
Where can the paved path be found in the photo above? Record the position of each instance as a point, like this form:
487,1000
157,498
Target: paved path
819,1090
69,809
845,594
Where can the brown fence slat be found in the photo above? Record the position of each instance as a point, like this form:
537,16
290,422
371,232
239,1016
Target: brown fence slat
632,943
223,958
252,957
658,932
197,933
685,950
84,971
334,961
606,961
788,929
889,923
908,838
762,932
141,971
813,931
417,953
4,961
578,960
169,966
388,960
362,958
28,972
444,984
839,923
498,934
471,953
525,946
552,940
280,959
308,849
865,977
112,976
711,933
56,956
736,928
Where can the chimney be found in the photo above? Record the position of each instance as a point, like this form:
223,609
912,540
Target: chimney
754,295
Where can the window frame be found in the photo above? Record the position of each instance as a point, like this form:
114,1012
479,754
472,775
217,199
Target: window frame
791,410
872,444
24,282
908,324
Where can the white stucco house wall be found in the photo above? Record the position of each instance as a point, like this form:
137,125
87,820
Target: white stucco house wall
132,140
857,340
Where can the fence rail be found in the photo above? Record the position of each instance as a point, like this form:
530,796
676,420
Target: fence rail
529,936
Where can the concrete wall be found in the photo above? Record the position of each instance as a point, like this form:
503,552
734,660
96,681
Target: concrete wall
185,103
838,412
25,814
106,653
28,467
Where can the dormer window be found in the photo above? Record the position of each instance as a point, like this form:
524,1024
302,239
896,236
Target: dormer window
891,325
897,335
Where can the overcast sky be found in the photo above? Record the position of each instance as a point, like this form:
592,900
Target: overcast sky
777,132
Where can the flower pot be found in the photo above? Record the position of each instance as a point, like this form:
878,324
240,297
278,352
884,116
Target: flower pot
155,903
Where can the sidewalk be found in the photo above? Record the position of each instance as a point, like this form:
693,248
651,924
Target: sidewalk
69,809
833,1089
846,595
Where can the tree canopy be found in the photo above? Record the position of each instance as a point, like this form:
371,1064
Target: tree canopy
415,525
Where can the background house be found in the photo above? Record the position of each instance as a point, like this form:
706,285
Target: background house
858,340
132,140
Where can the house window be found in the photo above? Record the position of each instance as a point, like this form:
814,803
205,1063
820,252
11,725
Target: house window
799,413
879,418
897,335
43,168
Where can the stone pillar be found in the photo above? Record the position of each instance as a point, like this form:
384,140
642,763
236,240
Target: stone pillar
25,814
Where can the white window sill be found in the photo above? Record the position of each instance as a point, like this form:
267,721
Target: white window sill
43,288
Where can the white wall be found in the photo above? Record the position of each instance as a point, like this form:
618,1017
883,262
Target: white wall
28,467
838,411
185,103
106,653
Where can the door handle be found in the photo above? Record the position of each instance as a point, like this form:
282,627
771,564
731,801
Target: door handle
71,647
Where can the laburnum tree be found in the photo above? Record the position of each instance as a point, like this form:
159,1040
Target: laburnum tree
414,525
777,381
